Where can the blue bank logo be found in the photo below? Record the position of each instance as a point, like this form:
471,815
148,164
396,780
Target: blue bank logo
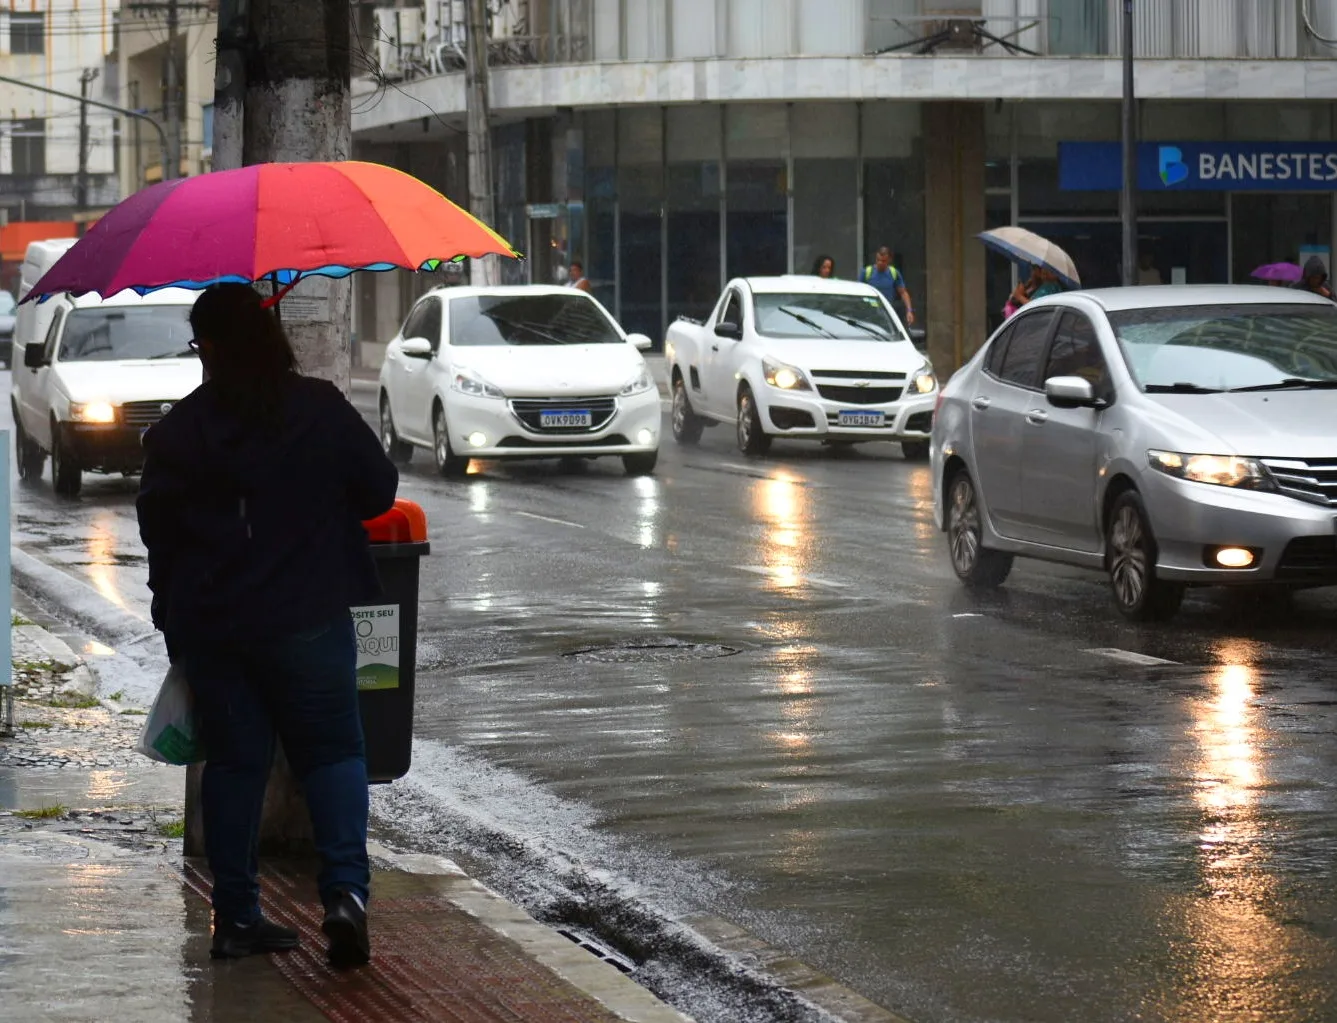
1170,161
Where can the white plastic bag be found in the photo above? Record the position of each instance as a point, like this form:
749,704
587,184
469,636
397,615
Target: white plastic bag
170,735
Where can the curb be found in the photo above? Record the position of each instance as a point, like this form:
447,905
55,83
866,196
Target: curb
581,969
33,645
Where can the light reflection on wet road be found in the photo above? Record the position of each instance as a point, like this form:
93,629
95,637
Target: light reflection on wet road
947,801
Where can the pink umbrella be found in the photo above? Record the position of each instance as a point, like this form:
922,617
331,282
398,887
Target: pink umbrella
1288,272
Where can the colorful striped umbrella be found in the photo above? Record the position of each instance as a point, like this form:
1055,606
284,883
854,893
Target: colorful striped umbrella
276,221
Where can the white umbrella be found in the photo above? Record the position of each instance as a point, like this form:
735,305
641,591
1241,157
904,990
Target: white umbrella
1022,246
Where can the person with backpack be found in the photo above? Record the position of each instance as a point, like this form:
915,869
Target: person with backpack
888,280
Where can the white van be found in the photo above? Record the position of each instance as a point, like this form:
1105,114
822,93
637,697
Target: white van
101,374
31,321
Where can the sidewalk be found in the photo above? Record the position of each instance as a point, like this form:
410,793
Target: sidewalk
101,918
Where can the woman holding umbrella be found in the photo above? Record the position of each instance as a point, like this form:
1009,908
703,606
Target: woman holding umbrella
1041,282
1052,269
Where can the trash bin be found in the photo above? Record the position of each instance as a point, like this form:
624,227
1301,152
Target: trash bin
387,641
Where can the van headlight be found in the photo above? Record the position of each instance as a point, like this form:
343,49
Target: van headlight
638,384
786,378
924,380
1218,470
468,383
92,412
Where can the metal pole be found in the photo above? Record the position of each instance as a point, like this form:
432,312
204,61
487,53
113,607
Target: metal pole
162,135
1129,204
483,271
171,157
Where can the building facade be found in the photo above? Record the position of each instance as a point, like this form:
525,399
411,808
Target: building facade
672,144
55,43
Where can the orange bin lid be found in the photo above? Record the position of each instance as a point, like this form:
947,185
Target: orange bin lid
406,522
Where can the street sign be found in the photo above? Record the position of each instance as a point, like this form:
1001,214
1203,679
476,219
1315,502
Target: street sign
544,210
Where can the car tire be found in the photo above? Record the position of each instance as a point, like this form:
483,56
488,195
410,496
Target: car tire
398,451
640,464
28,454
448,464
1130,559
977,566
66,474
915,450
752,437
687,425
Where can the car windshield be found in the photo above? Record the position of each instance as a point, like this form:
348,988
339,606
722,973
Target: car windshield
1207,349
549,319
7,304
825,314
111,334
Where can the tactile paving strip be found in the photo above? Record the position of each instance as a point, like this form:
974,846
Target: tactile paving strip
431,962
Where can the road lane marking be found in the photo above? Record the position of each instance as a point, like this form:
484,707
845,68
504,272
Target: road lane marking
548,518
1128,657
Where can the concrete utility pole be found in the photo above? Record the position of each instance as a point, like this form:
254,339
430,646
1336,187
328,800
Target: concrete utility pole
81,186
282,96
171,160
1129,203
483,271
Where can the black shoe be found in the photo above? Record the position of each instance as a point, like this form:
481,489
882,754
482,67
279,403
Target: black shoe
232,941
346,927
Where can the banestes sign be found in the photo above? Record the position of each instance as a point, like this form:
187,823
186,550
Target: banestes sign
1202,166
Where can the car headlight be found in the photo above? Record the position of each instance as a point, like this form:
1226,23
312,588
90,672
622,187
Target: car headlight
467,383
924,381
638,384
786,378
1219,470
92,412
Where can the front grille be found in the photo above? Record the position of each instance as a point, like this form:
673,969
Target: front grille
1311,479
528,411
855,374
859,395
144,413
529,443
920,422
1309,557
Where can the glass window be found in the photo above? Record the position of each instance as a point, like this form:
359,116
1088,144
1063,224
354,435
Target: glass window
425,322
1021,362
640,189
894,192
826,184
817,315
600,138
1076,353
7,304
550,319
28,145
27,32
733,310
693,151
1276,227
993,362
111,334
1188,349
756,142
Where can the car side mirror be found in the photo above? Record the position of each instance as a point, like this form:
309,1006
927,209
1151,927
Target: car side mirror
1072,392
729,329
416,348
34,356
642,343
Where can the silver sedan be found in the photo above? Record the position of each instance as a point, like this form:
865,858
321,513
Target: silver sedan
1169,436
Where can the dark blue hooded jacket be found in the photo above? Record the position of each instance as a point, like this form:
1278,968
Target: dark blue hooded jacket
254,533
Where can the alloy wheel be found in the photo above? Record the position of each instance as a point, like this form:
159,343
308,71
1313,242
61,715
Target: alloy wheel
964,527
1128,557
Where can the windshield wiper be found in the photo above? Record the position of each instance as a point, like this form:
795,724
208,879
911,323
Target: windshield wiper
1290,383
806,321
1181,388
867,328
173,355
551,339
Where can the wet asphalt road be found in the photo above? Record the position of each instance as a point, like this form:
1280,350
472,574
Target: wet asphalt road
965,808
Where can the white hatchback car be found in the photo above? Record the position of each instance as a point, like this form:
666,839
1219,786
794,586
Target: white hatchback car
517,372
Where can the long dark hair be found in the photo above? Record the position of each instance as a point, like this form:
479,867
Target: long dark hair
245,352
817,265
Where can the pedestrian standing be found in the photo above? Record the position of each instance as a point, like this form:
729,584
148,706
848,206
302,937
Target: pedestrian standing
251,505
576,276
888,280
1315,279
824,267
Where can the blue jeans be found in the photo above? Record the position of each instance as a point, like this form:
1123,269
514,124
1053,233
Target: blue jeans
304,687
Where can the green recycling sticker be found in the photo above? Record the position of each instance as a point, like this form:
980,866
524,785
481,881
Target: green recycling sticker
377,630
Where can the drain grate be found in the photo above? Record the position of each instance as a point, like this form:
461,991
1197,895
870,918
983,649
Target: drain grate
598,949
651,650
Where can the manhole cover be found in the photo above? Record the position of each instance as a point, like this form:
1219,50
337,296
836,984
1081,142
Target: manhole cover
638,651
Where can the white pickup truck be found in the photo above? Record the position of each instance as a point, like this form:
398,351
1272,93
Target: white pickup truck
802,358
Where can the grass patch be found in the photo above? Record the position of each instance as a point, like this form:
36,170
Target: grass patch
74,701
117,696
35,724
35,667
46,813
172,829
16,619
131,712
